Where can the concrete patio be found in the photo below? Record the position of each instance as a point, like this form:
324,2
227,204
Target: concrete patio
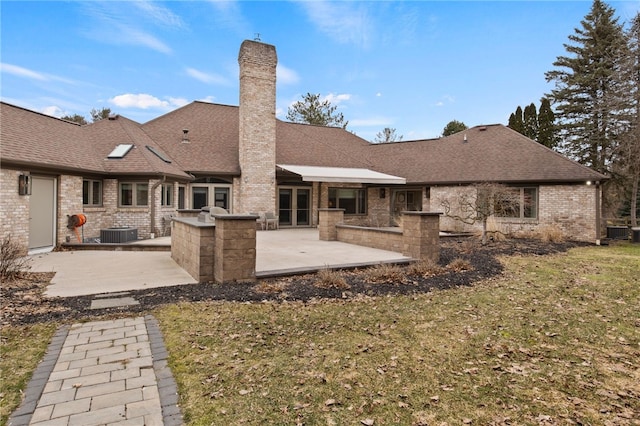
281,252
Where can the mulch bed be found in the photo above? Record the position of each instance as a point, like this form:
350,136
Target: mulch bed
22,301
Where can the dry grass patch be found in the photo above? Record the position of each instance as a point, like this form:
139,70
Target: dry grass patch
384,273
424,268
555,340
330,278
459,265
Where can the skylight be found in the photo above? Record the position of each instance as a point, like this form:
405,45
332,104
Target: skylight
158,154
121,150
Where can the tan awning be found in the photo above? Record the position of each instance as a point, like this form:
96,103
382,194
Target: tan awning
342,174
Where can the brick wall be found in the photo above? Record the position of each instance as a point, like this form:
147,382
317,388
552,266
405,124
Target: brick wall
69,203
14,209
256,191
572,208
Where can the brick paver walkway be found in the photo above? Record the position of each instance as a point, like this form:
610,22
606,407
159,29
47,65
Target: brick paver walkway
103,373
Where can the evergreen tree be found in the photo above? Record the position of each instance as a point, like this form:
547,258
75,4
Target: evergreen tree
312,110
100,114
454,126
583,81
546,125
516,121
76,118
530,122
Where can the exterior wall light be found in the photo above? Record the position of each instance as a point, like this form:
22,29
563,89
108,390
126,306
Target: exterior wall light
24,183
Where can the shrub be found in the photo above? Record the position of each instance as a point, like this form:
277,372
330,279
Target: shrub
12,260
459,265
551,234
329,278
384,272
424,268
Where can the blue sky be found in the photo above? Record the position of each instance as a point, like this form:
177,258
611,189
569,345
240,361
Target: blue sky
412,66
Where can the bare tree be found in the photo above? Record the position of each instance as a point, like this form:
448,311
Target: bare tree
480,202
387,135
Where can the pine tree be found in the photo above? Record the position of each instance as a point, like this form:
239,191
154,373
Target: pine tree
516,121
546,125
583,81
530,122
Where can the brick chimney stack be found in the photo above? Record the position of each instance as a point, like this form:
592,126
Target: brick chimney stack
256,189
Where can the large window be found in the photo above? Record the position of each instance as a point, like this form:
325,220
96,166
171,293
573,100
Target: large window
218,195
352,200
134,194
522,203
91,192
167,195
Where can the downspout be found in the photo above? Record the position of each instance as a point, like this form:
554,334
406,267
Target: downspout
153,205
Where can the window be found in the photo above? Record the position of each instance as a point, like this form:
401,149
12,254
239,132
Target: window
181,197
521,203
352,200
167,195
218,195
91,192
134,194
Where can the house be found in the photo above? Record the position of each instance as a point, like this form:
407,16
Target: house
120,173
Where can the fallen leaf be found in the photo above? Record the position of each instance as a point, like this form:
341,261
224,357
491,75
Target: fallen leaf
330,402
244,392
367,422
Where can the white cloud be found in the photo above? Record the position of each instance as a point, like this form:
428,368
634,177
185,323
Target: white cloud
345,22
53,111
22,72
209,98
118,23
228,15
286,75
146,101
159,14
445,100
337,99
206,77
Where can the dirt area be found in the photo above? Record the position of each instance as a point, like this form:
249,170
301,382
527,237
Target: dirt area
22,301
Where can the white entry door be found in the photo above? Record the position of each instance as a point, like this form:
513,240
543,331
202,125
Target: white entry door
42,212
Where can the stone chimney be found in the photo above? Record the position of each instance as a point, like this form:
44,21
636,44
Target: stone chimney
256,187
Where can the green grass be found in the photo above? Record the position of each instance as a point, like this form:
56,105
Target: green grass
21,349
555,340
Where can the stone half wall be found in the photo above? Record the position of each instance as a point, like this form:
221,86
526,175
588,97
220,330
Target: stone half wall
571,208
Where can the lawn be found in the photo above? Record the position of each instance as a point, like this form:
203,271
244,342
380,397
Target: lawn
553,340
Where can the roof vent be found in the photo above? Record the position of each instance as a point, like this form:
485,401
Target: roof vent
113,117
483,128
185,137
464,139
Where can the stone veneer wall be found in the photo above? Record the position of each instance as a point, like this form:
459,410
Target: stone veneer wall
419,237
235,248
572,208
256,188
14,209
379,238
193,247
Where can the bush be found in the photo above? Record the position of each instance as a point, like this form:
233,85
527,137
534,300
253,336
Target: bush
384,272
12,260
424,268
329,278
551,234
459,265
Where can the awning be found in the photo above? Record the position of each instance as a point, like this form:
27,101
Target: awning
342,174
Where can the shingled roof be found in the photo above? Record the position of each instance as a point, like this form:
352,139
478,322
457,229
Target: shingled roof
492,153
41,141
